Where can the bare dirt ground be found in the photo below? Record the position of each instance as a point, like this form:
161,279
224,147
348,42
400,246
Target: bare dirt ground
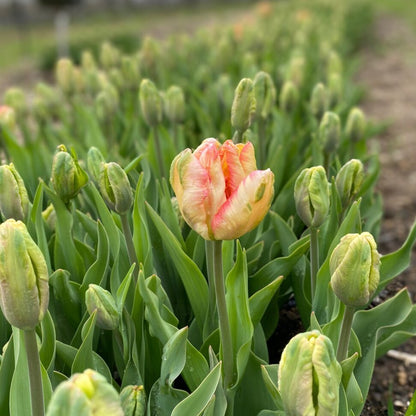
388,73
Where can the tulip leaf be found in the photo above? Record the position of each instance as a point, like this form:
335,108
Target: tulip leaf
123,289
270,377
96,273
411,410
163,399
200,398
7,365
193,280
48,349
394,263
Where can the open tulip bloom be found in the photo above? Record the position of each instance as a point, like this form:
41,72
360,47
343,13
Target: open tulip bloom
220,192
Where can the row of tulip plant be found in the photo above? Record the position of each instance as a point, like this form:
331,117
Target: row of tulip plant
141,277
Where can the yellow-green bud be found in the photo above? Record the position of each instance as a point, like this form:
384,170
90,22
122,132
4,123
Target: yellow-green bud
330,132
335,89
95,161
349,180
149,55
312,196
133,401
49,216
7,117
356,124
175,104
79,80
14,201
65,76
150,103
85,394
106,102
88,61
24,289
109,56
289,97
224,91
265,94
115,188
296,72
319,101
244,105
100,300
130,72
67,175
45,101
334,64
354,267
15,98
309,376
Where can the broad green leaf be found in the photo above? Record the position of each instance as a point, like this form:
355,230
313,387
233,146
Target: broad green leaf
47,349
6,374
270,377
411,410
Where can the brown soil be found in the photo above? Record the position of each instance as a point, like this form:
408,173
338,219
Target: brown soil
388,73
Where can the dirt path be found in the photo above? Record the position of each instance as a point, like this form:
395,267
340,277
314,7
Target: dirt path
388,73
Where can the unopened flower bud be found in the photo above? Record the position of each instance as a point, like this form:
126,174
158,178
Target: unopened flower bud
85,394
289,97
88,61
130,72
356,124
224,91
109,56
319,101
65,76
335,89
45,102
133,401
296,72
312,196
334,64
67,175
106,102
265,94
7,117
14,201
354,267
349,180
175,104
79,81
15,98
115,187
95,161
150,103
309,376
244,106
330,132
101,300
24,289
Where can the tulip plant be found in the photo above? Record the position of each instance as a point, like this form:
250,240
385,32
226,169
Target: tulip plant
143,268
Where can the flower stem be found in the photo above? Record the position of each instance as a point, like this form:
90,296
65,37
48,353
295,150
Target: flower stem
344,338
225,332
35,376
130,245
159,153
314,259
261,124
210,324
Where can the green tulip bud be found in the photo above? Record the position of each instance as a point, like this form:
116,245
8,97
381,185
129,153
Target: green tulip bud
265,94
349,180
85,394
330,132
15,98
175,104
24,289
296,72
354,267
289,97
7,117
312,196
319,101
309,376
149,55
14,201
356,124
101,300
67,175
95,161
224,91
65,75
150,103
115,188
130,72
88,61
79,81
244,106
133,401
109,56
335,89
334,63
45,102
106,102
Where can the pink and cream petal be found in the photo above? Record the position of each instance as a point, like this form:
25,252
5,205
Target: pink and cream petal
231,166
246,207
247,158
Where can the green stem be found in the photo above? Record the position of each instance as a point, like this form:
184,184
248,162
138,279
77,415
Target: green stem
314,259
225,332
344,338
261,124
238,137
209,255
130,245
35,376
159,153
